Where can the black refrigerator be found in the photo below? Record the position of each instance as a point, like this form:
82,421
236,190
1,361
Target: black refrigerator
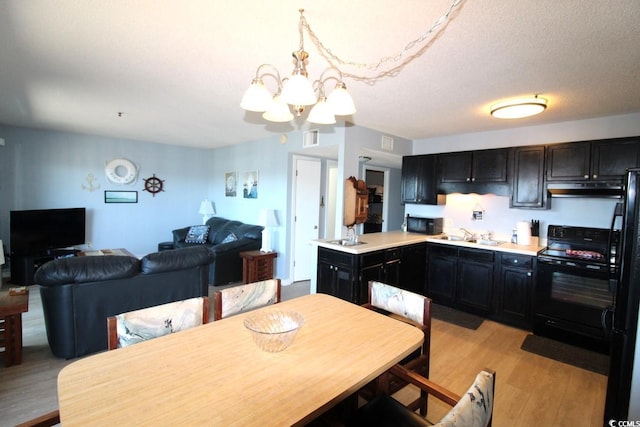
625,282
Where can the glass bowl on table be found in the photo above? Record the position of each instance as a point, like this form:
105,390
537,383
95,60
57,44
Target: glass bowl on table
274,330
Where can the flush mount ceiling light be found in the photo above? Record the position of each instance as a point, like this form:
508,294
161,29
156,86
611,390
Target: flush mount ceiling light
519,108
296,92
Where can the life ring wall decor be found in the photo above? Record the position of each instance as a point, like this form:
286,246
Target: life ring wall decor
153,185
121,171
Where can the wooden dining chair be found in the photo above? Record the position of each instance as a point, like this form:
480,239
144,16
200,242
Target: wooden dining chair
140,325
415,310
46,420
473,409
238,299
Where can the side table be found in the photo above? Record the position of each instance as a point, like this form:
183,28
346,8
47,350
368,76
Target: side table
257,265
11,309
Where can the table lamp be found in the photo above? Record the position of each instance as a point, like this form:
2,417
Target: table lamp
206,210
267,219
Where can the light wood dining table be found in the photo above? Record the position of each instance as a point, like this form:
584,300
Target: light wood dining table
215,375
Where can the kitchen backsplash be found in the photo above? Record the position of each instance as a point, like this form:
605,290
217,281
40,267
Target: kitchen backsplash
500,220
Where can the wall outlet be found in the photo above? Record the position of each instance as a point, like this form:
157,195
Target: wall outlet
448,222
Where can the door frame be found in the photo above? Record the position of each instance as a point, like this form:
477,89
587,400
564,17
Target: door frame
292,217
385,204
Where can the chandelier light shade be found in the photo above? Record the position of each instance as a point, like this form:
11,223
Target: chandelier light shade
519,108
278,111
297,91
341,102
322,113
257,97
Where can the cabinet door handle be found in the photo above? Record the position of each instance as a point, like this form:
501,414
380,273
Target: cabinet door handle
515,261
586,177
529,274
468,179
595,176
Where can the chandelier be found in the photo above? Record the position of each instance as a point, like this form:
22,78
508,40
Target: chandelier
297,92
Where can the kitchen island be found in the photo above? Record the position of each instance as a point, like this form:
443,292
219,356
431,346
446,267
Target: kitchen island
492,280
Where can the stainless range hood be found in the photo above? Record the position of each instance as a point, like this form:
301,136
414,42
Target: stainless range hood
586,189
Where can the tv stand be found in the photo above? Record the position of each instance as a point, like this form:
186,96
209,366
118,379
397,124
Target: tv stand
23,267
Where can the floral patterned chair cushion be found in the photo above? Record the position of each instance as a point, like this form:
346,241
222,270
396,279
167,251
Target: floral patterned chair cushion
141,325
398,301
476,406
238,299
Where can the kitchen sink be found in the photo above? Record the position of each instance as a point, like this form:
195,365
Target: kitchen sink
490,242
345,242
486,242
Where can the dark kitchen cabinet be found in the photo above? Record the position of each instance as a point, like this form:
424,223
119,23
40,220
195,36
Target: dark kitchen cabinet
513,290
461,277
441,273
346,275
336,274
527,183
602,160
474,282
482,171
413,268
419,180
474,166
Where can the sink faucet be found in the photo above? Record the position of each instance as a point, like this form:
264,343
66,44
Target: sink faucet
467,234
351,235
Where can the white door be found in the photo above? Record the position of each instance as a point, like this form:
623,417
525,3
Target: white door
306,215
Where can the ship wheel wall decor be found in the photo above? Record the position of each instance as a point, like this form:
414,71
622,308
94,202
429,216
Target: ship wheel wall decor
153,185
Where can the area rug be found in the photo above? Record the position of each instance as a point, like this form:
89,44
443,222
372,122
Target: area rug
456,317
566,353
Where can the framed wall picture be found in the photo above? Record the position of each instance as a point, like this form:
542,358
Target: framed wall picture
120,196
230,184
250,184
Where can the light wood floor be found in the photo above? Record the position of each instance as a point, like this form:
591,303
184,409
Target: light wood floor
530,390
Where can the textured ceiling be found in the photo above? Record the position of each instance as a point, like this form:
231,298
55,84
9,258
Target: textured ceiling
177,69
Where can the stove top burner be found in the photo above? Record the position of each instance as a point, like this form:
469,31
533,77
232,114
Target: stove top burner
577,243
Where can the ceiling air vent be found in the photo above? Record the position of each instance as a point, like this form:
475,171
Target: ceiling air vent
387,143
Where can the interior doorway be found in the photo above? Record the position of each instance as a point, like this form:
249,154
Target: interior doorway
377,181
306,214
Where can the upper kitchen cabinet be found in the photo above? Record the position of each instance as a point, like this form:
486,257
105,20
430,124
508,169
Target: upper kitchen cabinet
602,160
527,184
419,180
482,171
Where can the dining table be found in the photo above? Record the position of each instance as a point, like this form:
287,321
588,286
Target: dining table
216,375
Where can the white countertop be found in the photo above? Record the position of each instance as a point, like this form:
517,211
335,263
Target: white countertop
377,241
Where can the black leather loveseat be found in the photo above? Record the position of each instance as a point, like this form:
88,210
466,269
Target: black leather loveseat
78,294
225,239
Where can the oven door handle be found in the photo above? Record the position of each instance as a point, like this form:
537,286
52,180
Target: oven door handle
606,319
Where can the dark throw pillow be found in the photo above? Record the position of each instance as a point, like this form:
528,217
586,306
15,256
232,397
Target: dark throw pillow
197,234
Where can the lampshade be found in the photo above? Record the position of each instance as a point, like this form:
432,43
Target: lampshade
257,97
322,113
519,108
297,90
268,218
340,101
206,210
278,111
1,253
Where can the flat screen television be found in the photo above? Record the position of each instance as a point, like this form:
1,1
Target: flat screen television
36,232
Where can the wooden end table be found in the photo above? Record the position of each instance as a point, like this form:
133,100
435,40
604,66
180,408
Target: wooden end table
257,265
11,309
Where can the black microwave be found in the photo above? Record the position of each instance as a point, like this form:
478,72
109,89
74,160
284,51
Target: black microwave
429,226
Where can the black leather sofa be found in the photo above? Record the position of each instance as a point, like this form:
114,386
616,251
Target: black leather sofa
226,239
79,293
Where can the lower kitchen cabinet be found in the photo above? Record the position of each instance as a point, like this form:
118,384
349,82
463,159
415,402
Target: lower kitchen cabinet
461,277
474,281
513,290
346,275
336,274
